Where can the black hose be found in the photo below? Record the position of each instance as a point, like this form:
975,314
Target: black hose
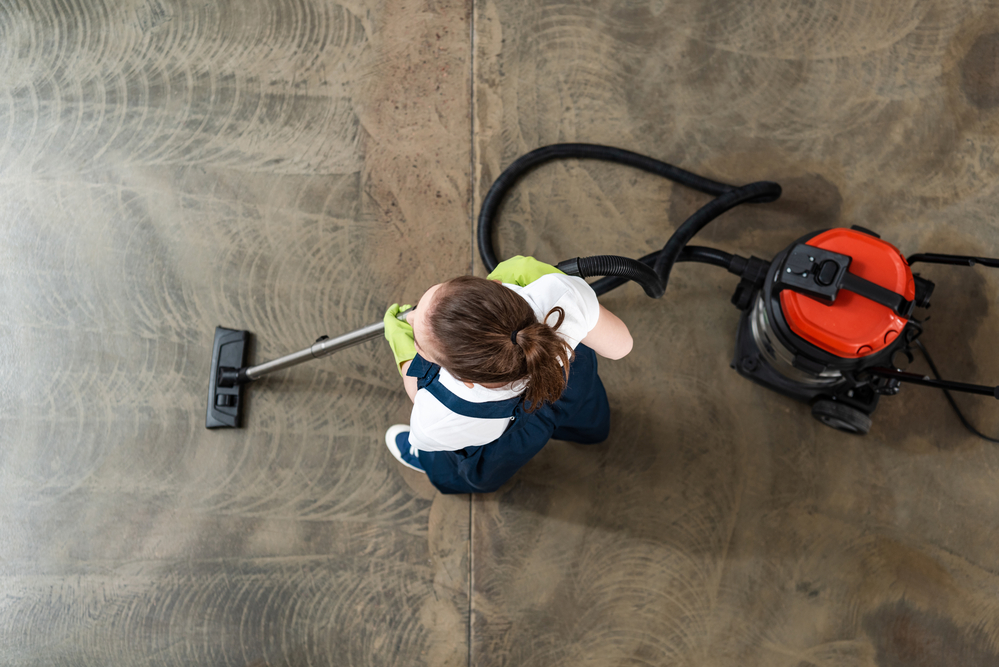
652,271
691,253
526,162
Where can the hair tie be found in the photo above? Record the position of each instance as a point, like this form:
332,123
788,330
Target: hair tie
513,336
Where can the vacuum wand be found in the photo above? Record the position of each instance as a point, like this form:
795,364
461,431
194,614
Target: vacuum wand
230,377
230,373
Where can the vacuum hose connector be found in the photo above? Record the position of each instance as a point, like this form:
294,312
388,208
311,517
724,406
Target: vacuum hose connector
614,265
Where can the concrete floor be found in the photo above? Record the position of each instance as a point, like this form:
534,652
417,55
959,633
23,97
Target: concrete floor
291,168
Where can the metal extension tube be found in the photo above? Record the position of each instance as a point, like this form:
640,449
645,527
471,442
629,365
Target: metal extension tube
321,348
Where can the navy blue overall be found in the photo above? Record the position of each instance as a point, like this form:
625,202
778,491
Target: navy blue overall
581,415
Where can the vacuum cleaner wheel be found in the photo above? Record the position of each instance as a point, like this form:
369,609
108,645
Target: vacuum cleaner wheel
841,417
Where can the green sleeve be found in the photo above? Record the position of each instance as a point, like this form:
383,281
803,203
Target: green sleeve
521,270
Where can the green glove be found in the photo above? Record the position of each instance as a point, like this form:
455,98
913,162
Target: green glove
521,270
399,335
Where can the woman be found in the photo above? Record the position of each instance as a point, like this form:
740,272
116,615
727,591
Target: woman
496,367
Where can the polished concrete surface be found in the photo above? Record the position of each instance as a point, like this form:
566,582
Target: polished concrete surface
291,168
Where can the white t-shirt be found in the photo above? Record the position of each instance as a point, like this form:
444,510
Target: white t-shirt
435,428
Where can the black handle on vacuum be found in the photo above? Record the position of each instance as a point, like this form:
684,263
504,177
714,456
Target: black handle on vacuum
927,381
953,260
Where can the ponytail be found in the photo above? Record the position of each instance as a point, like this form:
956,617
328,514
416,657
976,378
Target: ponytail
541,346
488,334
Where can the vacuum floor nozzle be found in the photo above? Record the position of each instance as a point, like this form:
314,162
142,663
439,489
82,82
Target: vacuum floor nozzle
225,403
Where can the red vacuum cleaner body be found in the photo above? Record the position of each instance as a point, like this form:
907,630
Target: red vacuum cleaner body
832,307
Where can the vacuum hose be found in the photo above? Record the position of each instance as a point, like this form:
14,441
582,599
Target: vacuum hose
652,271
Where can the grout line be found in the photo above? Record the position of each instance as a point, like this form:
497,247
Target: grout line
471,551
473,181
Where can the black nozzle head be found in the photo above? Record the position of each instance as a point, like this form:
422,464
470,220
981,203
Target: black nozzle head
225,384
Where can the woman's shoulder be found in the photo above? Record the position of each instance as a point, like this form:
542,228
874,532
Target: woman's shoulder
554,287
574,295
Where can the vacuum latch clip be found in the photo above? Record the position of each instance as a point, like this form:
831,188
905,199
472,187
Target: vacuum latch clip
821,274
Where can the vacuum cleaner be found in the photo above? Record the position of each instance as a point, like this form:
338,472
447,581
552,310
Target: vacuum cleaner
823,322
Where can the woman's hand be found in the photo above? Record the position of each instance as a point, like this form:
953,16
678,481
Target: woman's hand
399,335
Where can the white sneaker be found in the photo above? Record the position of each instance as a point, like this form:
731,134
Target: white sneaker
397,440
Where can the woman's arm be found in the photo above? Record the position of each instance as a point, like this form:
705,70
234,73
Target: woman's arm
408,382
610,338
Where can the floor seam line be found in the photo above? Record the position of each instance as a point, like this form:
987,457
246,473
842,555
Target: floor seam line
471,270
471,145
471,551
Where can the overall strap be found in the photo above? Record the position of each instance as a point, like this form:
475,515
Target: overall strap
427,374
424,371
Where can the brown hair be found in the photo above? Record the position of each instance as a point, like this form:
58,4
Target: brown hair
473,324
